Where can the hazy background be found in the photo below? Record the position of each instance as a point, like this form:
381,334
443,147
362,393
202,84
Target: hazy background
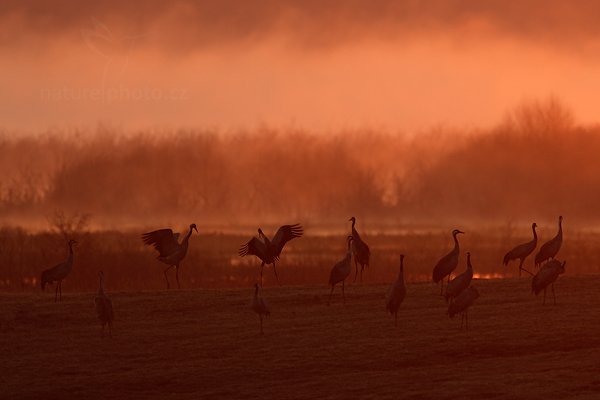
400,65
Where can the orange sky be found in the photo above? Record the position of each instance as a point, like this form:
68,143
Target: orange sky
319,65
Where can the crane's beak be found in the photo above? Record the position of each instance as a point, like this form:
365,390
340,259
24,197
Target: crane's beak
196,229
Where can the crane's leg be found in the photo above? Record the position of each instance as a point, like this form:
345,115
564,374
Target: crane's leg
553,295
261,324
442,287
166,277
110,329
177,276
60,291
261,273
396,319
275,270
56,293
355,269
362,267
467,319
544,303
521,267
343,294
330,294
102,332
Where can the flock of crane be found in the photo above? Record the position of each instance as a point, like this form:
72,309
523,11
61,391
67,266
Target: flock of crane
459,294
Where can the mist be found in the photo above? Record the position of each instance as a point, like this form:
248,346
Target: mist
401,66
536,163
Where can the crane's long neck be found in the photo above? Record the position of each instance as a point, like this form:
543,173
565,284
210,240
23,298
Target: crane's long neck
559,228
534,234
469,266
187,237
401,273
456,247
185,241
264,238
101,287
70,256
349,251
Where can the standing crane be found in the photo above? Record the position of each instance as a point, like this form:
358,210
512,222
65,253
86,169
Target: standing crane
550,248
59,272
341,270
104,308
396,293
462,303
547,275
461,282
260,307
268,251
171,252
447,264
362,254
522,251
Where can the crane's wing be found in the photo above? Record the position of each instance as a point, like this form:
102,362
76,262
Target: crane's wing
285,234
163,240
254,247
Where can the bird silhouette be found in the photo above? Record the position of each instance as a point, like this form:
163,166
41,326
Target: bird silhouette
462,303
268,251
461,282
550,249
522,251
447,264
546,276
171,252
396,293
341,270
104,309
59,272
362,253
260,307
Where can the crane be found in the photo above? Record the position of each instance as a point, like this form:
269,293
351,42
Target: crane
551,247
104,309
260,307
362,253
59,272
546,276
396,293
461,282
462,303
341,270
447,264
522,251
171,252
268,251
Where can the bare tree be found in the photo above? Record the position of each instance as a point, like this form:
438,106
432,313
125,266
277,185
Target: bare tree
69,226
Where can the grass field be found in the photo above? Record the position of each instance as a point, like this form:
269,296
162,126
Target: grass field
206,344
